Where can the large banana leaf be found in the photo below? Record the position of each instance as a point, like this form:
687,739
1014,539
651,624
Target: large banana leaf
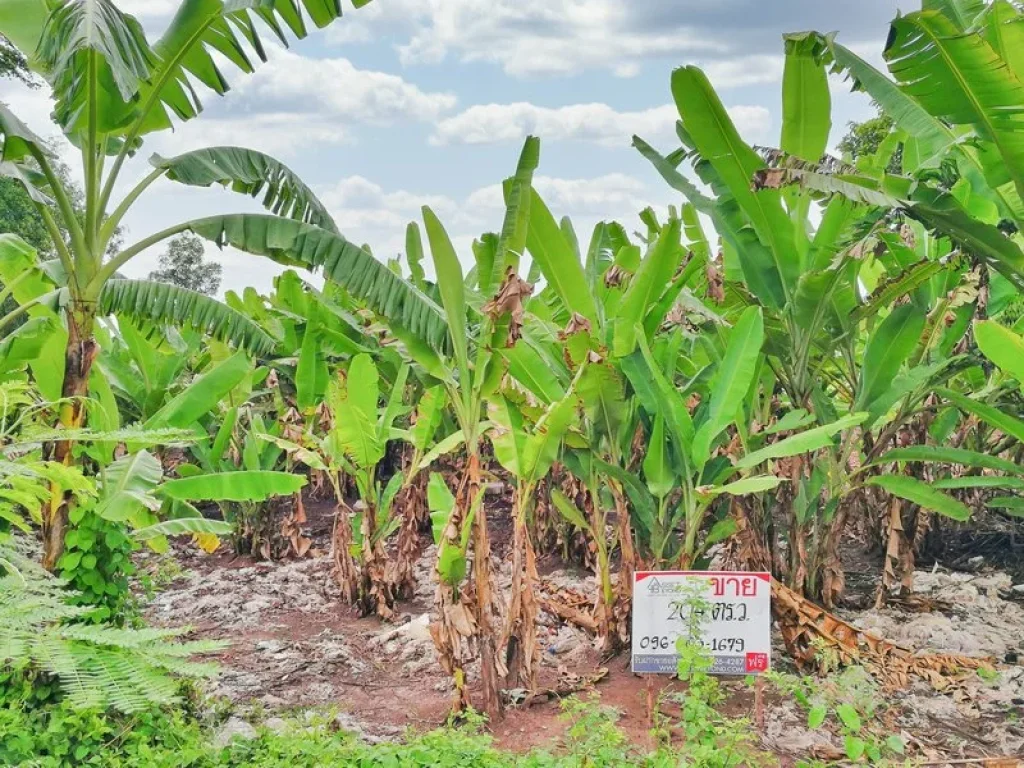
602,390
922,494
654,274
203,395
802,442
303,245
512,241
670,173
937,210
251,173
451,286
414,254
127,485
934,453
148,300
907,113
806,101
733,379
887,349
658,472
1004,30
96,59
18,137
354,403
183,525
993,416
528,368
204,29
961,79
1002,346
429,412
233,486
735,163
21,22
963,13
540,449
25,342
558,262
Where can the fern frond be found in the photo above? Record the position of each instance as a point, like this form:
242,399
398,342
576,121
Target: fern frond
96,665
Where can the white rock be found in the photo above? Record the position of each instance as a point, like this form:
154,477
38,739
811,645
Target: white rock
234,728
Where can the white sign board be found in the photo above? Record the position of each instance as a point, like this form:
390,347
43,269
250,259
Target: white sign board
735,626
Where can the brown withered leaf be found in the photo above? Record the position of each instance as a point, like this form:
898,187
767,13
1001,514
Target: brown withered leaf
805,626
509,300
568,604
907,236
614,276
769,178
716,285
577,324
461,618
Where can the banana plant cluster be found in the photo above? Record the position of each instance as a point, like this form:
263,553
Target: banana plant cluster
112,89
844,348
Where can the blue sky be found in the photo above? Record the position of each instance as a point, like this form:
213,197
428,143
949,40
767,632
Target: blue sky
412,102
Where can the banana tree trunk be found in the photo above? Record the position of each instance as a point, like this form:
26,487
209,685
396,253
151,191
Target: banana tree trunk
620,607
464,614
411,500
375,594
490,678
520,635
79,357
341,544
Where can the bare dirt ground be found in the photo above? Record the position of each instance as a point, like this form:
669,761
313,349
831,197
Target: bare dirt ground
295,646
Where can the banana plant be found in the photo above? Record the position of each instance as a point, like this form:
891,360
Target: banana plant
412,498
955,73
995,461
617,283
528,450
357,442
833,352
112,88
681,476
480,316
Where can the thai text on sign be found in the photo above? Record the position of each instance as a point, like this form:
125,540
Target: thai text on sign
732,621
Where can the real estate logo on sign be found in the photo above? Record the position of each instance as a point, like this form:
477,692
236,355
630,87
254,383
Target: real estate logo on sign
734,623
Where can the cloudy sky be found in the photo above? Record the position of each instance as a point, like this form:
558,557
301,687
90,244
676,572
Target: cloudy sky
412,102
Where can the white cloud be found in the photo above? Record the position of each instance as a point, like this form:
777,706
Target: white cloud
525,37
612,196
598,123
281,134
290,82
745,70
293,102
368,213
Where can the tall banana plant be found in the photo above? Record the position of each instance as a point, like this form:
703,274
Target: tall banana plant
112,88
956,85
619,284
831,349
357,441
528,450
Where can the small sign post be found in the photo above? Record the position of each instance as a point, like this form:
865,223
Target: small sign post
735,628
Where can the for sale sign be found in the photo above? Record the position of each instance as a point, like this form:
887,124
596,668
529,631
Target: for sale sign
728,612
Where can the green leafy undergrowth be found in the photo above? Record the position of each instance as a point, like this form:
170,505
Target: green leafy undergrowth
56,734
96,564
850,704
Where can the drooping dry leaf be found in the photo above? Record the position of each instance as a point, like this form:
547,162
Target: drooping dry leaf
509,300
